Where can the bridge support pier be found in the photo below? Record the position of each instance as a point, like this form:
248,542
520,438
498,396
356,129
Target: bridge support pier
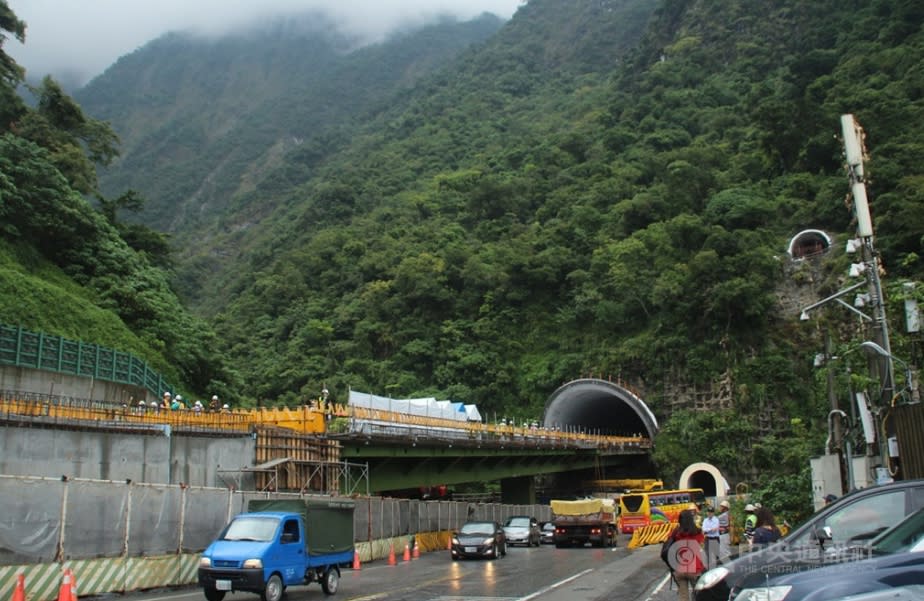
520,490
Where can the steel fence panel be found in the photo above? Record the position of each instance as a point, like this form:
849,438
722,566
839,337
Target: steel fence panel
362,523
154,520
30,526
94,524
205,515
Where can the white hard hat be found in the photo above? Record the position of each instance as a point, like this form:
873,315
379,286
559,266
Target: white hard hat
749,507
226,406
724,504
166,394
179,398
214,397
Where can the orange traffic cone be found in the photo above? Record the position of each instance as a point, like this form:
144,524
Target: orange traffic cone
19,593
416,552
73,584
407,552
64,590
356,565
449,542
391,555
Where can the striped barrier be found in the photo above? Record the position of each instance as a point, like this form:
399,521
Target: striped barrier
650,535
97,576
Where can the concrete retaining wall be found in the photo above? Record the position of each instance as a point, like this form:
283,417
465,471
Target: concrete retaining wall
160,458
58,384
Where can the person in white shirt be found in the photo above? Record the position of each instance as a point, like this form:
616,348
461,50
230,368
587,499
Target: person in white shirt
711,533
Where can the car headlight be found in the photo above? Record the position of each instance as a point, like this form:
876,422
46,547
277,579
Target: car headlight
488,541
711,578
253,563
767,593
205,562
455,541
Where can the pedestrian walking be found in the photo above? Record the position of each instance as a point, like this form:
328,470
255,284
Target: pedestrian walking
683,552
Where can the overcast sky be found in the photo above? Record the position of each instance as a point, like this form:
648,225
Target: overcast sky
79,39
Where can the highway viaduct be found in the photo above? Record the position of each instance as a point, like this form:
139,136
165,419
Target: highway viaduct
591,429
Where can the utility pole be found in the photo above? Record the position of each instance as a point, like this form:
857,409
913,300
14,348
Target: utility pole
853,146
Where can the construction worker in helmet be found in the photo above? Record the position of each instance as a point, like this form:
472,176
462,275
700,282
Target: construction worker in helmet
750,521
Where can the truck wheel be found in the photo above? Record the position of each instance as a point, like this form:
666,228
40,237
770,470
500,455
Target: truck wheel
331,581
213,594
273,589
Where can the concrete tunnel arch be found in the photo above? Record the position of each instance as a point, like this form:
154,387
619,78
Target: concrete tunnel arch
595,405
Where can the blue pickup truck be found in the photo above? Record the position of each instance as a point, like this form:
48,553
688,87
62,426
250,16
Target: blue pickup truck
279,543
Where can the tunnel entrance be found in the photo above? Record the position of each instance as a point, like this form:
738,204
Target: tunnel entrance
599,406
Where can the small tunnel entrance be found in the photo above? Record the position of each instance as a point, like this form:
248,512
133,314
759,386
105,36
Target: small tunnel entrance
600,406
808,243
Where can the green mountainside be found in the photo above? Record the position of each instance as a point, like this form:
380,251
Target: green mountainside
602,187
201,120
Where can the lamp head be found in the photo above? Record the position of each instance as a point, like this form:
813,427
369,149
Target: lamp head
872,346
804,316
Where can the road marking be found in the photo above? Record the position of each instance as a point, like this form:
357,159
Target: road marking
555,585
658,588
459,598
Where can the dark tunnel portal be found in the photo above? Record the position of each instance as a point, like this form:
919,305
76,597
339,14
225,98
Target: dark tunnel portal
599,406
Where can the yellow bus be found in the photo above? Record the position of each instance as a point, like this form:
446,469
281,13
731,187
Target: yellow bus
641,508
623,484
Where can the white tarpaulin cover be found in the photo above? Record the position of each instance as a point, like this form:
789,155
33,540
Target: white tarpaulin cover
426,407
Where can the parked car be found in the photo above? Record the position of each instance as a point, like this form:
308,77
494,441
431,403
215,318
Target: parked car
893,559
547,534
522,530
853,519
479,539
911,592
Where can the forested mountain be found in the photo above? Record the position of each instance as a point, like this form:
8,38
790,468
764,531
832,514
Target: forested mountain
202,120
600,187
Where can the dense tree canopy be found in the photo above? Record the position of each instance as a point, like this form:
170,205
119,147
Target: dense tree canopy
48,158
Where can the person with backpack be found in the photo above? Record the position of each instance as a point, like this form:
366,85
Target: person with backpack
683,553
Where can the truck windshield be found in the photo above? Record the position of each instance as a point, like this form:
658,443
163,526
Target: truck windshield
262,529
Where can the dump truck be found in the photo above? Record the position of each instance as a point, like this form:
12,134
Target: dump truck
277,544
584,521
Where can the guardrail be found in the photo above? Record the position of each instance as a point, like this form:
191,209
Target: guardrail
20,347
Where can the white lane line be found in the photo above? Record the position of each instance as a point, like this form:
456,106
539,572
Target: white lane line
555,585
658,588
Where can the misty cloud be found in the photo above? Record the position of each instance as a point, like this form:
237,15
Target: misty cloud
79,40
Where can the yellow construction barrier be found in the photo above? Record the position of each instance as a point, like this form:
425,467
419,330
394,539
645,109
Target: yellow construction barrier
650,534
